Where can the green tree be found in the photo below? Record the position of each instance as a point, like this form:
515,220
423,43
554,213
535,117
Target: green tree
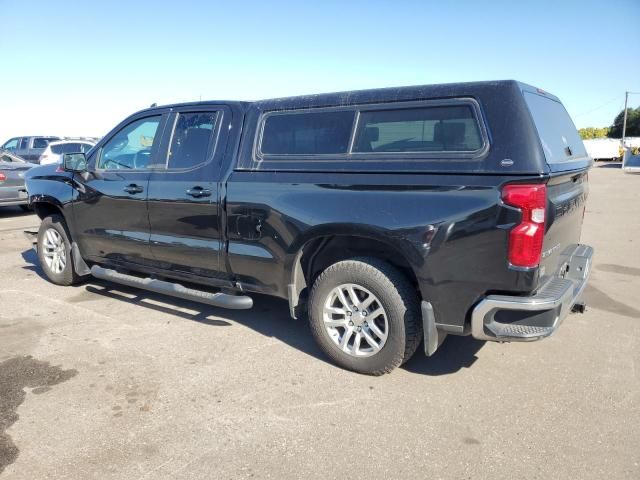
633,124
593,132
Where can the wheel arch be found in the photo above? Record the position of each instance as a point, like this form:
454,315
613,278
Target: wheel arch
323,249
45,207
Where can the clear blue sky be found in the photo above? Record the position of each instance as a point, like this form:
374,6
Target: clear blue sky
77,68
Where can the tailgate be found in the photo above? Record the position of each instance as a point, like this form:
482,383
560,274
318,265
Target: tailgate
566,197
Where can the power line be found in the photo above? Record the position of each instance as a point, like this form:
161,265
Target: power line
598,108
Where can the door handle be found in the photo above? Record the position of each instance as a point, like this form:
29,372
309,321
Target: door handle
133,188
199,192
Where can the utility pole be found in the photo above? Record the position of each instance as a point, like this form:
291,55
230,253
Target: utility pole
624,122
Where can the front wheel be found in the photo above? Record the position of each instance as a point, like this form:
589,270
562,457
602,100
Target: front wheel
54,251
365,315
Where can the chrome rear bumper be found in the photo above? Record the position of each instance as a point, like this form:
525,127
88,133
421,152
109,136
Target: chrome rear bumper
505,318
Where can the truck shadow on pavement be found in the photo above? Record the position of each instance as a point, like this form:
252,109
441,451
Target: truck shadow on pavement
610,165
11,212
269,317
32,263
455,353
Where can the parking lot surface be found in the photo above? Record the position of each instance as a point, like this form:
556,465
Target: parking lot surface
100,381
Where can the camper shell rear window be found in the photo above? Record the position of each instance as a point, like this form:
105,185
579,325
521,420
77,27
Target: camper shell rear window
558,135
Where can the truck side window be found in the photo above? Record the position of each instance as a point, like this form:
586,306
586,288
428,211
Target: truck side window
423,129
307,133
131,147
24,143
40,142
191,139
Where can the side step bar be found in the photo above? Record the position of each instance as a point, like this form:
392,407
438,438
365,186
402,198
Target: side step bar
223,300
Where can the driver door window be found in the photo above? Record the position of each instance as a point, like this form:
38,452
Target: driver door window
132,147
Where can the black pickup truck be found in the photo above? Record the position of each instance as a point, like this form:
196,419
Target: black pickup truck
388,216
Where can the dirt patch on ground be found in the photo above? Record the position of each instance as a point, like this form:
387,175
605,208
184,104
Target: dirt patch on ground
16,374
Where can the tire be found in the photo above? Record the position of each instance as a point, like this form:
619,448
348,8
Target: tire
394,295
56,263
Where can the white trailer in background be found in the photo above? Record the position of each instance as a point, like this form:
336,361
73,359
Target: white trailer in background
603,148
632,142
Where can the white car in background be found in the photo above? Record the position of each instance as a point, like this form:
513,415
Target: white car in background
54,151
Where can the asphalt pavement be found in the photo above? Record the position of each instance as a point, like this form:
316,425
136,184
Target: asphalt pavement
103,382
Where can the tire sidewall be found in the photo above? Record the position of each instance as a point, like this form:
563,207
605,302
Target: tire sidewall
65,277
394,347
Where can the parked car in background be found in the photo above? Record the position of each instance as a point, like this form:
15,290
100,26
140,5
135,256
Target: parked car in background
630,162
86,139
12,187
29,148
54,151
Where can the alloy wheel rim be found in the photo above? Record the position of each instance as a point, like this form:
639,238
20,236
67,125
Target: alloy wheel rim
355,320
54,251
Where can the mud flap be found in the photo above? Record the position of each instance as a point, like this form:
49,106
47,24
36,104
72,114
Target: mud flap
433,338
79,264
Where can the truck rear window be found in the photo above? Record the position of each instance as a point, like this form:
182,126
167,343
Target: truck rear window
558,135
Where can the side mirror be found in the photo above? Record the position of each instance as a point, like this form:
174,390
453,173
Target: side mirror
74,162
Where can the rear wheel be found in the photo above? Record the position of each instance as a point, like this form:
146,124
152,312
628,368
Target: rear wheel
54,251
364,314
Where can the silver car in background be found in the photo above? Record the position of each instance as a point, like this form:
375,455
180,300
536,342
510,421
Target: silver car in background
54,151
12,188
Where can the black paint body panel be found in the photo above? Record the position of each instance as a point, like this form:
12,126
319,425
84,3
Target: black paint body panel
443,217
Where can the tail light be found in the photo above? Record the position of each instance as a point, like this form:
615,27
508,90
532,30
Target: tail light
525,239
3,177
